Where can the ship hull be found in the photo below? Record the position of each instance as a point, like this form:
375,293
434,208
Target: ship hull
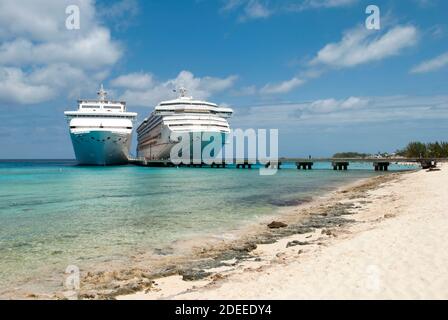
101,148
160,148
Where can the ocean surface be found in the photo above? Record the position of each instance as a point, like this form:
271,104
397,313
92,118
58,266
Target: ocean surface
55,213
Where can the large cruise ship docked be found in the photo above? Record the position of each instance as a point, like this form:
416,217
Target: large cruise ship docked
101,131
182,115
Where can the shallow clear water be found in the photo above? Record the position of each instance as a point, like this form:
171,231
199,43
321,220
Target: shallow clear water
54,213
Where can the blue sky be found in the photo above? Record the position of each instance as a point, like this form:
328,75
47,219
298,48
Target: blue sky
309,68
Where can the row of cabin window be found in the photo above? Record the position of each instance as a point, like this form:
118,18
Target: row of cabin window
99,116
196,125
95,127
187,104
149,124
103,107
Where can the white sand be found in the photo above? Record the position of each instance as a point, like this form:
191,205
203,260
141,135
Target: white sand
399,250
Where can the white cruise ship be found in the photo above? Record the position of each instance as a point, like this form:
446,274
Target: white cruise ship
182,115
101,131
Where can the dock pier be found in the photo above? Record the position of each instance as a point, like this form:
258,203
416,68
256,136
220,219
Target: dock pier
338,164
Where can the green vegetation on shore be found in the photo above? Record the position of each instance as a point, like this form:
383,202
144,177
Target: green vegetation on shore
351,155
412,150
425,150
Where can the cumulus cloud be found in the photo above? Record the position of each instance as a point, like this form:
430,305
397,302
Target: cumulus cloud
257,9
269,88
120,9
45,83
360,46
43,21
39,52
133,81
15,87
351,110
93,51
199,88
120,13
316,4
251,9
431,65
332,105
283,87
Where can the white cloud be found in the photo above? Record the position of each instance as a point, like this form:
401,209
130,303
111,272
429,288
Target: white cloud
120,13
199,88
353,102
231,4
251,9
332,105
16,88
46,82
283,87
133,81
269,88
44,20
120,9
435,64
35,43
360,46
66,79
426,3
84,52
256,9
316,4
337,112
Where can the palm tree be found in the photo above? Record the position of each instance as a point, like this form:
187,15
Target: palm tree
416,150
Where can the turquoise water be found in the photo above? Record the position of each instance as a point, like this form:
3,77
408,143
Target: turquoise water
54,213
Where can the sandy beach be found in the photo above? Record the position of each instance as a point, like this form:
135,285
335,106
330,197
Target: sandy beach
392,243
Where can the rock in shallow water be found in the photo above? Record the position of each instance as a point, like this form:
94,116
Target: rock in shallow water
194,275
277,225
296,243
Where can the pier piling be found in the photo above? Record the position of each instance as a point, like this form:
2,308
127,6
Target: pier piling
340,165
273,165
244,165
305,165
381,166
218,165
